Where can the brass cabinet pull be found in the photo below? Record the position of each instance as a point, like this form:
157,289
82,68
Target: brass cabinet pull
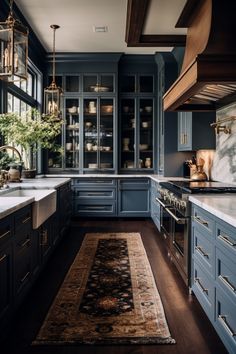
25,277
227,240
26,220
5,234
3,257
225,280
203,222
197,280
100,207
223,321
27,241
94,194
201,251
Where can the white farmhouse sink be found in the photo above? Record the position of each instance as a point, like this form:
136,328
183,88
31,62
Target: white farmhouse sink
44,204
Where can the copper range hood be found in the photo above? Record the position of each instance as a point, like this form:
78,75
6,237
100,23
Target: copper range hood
208,77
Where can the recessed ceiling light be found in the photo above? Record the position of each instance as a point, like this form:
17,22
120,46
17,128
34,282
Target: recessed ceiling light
100,29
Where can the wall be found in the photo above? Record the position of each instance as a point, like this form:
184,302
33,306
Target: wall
224,162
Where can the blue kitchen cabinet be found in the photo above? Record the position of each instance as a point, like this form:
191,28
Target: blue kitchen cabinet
94,197
195,132
133,197
213,272
155,206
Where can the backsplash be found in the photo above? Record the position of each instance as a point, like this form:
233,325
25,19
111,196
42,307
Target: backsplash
224,161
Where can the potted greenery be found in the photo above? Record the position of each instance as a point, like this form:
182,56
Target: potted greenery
30,131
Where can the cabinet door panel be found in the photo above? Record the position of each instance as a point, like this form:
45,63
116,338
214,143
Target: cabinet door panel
5,280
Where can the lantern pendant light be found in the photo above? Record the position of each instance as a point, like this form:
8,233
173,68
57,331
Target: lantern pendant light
52,93
13,49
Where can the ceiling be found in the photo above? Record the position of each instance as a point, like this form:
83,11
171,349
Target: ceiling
77,19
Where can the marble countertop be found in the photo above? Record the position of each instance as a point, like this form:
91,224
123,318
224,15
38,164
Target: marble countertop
222,206
157,178
11,204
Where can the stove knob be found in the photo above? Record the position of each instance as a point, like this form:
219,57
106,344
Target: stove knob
183,205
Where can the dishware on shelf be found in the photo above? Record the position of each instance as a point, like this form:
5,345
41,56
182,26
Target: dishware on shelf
145,124
126,142
148,109
89,146
94,147
107,148
88,124
107,109
105,165
92,107
72,109
143,147
92,165
126,109
68,146
148,162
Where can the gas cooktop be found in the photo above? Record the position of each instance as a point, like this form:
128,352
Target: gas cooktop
200,187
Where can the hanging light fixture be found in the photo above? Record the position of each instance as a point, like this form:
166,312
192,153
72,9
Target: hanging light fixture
52,93
13,48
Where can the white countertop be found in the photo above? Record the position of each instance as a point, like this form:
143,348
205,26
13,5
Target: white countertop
222,206
11,204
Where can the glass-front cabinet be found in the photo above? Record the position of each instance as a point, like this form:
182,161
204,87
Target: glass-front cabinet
87,140
98,136
137,123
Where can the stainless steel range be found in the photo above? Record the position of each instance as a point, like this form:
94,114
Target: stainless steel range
173,197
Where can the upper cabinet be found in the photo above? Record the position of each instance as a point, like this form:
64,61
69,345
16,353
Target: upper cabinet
194,131
137,106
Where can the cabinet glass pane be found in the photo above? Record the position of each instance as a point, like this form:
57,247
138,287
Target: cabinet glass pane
107,83
91,143
106,134
90,83
145,133
128,83
72,83
128,133
72,125
54,157
146,84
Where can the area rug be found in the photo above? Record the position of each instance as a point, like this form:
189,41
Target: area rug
108,296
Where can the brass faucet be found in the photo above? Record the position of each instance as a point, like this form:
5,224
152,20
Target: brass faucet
4,174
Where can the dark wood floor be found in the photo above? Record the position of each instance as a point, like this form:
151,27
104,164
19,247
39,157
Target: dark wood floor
187,322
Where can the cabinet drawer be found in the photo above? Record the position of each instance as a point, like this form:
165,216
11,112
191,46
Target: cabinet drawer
105,208
93,182
22,272
226,274
203,288
226,238
23,218
226,320
5,229
203,221
23,241
98,194
203,251
134,183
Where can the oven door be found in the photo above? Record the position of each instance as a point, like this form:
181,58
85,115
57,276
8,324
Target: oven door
180,238
165,222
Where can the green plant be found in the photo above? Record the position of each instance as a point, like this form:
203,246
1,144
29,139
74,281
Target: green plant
6,160
30,131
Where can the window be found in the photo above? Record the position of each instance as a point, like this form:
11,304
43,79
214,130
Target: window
22,96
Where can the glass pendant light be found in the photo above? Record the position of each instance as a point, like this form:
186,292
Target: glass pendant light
13,49
52,93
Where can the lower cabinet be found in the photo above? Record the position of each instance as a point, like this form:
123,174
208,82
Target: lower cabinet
24,251
133,197
94,197
155,206
214,272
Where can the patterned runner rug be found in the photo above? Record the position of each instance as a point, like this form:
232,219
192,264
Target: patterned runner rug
108,296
